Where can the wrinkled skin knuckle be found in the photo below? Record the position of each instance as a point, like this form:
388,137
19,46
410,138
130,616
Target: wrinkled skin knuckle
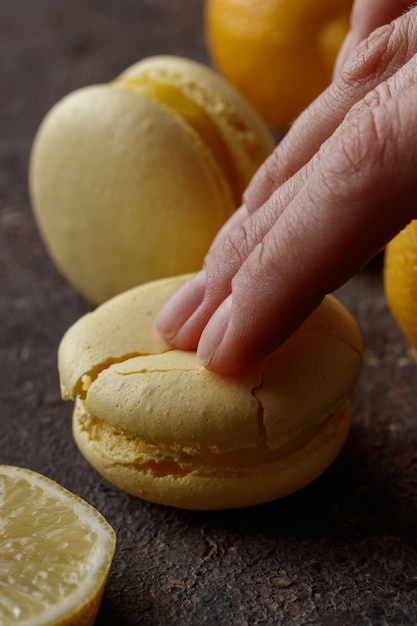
223,262
363,142
407,33
368,59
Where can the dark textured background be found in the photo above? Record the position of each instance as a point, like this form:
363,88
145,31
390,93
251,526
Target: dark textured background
343,550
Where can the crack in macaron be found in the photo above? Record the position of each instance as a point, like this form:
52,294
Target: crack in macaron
157,424
163,459
169,397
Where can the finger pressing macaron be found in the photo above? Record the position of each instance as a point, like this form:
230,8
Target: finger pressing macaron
161,427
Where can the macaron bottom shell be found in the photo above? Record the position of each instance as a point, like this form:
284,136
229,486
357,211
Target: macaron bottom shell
207,480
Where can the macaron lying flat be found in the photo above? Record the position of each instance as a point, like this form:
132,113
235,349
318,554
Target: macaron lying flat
161,427
131,180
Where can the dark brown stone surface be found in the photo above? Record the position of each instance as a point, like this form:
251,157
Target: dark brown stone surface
341,551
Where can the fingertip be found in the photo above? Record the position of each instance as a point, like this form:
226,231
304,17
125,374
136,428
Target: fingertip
223,347
177,310
214,334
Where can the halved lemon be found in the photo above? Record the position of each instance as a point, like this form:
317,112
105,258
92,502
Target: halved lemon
55,552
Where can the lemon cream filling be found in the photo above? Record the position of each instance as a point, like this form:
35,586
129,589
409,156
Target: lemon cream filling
161,459
196,118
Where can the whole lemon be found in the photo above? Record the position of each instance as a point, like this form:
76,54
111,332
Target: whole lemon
278,53
400,281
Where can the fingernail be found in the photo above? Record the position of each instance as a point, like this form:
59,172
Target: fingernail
214,332
180,306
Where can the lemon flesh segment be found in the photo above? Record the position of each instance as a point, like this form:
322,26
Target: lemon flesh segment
194,115
56,551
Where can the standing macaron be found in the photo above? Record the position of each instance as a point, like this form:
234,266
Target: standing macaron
131,180
163,428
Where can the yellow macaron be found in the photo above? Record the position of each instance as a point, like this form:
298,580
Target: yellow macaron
161,427
131,180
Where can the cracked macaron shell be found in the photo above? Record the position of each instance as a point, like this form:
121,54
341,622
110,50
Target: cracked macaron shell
129,378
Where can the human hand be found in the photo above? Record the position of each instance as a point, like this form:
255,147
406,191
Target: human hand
367,16
337,188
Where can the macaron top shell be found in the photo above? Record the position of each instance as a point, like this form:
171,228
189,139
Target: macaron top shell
130,379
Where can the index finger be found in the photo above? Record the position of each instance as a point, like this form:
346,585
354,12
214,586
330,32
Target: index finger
375,61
